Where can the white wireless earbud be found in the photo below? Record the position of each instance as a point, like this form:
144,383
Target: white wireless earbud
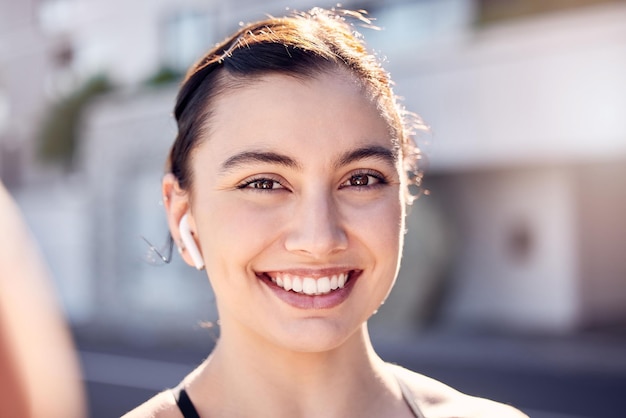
190,243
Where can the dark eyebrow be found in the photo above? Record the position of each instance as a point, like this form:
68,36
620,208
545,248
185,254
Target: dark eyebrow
248,157
375,151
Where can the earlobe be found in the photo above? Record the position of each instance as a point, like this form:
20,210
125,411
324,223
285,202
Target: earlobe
190,243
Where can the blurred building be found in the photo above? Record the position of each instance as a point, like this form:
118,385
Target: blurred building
523,228
527,163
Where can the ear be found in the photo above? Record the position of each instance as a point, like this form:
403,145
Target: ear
180,221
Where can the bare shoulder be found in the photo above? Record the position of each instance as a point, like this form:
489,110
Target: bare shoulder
162,405
437,399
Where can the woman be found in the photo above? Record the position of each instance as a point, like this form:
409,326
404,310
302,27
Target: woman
288,183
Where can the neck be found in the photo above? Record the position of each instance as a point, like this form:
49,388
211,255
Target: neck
289,383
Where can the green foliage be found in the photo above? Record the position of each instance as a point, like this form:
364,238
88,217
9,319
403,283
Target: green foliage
164,75
59,133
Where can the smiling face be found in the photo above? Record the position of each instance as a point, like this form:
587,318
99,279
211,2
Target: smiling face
297,206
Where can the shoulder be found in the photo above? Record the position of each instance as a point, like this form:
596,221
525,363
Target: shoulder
437,399
162,405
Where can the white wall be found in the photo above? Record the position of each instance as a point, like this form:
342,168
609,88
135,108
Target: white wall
516,263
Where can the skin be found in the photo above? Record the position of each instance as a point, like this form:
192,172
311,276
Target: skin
334,202
39,371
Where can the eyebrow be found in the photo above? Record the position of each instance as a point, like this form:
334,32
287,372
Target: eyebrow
375,151
248,157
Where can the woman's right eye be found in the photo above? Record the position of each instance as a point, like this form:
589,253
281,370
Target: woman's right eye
264,184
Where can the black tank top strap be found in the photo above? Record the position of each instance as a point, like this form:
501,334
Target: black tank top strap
184,403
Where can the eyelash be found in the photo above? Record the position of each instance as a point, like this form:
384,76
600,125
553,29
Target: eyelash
380,178
248,184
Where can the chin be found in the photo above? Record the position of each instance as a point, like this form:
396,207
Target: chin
315,335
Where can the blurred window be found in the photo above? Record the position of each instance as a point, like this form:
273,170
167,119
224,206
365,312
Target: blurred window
56,15
419,23
187,35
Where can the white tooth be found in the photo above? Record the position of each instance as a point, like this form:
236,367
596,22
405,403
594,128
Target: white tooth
333,282
287,285
309,286
296,284
341,281
279,281
323,285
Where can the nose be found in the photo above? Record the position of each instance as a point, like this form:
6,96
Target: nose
316,227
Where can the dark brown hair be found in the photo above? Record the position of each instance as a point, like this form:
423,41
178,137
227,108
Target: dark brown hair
300,45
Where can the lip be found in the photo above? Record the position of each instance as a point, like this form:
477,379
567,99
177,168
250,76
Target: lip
304,301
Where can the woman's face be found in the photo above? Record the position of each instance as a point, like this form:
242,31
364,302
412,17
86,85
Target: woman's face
296,189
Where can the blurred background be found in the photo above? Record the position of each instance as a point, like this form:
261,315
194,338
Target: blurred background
513,284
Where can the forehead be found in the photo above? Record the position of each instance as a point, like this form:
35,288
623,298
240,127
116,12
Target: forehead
323,112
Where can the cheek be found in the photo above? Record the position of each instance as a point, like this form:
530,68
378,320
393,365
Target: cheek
382,222
236,231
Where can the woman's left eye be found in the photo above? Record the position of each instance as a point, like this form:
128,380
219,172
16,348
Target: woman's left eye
364,180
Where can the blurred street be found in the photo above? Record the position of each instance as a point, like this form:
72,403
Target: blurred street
573,377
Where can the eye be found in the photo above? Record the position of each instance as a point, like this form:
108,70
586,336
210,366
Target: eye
264,184
364,179
360,180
